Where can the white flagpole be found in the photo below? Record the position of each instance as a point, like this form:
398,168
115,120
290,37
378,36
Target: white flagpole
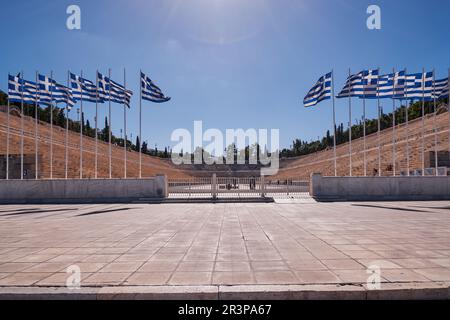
406,128
36,146
51,124
434,124
81,128
406,122
125,127
7,139
350,128
334,124
423,121
379,125
67,133
96,126
21,126
393,123
364,134
66,143
140,124
110,123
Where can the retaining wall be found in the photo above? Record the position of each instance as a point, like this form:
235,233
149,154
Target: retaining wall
82,191
379,188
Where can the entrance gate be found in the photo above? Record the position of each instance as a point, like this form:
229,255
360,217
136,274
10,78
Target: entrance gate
237,187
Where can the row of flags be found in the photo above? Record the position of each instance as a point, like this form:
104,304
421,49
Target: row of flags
369,84
47,91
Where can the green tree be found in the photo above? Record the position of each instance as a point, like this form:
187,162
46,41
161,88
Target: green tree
144,147
137,143
61,118
105,131
88,130
3,98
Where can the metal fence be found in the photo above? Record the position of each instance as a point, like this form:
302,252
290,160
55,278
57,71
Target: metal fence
231,187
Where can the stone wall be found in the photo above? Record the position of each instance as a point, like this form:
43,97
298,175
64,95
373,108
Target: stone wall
82,191
379,188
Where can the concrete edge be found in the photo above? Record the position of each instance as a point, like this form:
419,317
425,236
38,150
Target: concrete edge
389,291
159,293
47,293
292,292
77,201
211,200
379,198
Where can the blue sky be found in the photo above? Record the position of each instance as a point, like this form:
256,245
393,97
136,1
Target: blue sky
230,63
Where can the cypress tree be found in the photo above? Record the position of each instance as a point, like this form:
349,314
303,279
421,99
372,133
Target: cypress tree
137,143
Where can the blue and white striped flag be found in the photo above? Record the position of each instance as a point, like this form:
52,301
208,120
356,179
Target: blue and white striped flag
111,90
319,92
22,90
445,93
150,91
362,85
353,86
441,88
83,89
419,86
51,91
370,80
102,86
392,85
30,87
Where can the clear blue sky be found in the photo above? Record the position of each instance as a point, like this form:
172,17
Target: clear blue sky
231,63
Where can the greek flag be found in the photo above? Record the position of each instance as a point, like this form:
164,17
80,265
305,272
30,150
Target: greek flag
392,85
83,89
150,91
321,91
362,85
29,87
22,90
441,88
51,91
353,86
419,86
370,80
112,91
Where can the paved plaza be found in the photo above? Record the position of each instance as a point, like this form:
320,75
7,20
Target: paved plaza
225,244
